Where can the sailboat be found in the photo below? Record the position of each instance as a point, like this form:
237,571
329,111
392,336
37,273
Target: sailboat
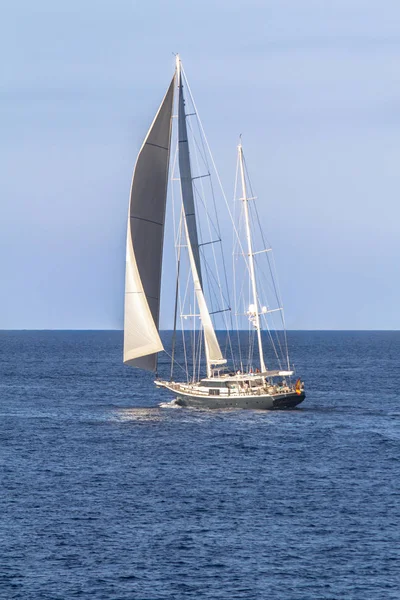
215,380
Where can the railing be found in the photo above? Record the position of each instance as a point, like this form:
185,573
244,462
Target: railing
259,391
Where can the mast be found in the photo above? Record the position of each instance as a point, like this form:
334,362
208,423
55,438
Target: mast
255,315
212,349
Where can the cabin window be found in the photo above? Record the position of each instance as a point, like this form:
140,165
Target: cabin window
213,384
213,392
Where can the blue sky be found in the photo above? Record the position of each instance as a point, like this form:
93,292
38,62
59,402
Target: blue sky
312,85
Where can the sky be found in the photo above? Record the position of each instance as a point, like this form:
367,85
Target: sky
312,85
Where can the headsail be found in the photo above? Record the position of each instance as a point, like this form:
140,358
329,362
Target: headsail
213,351
144,245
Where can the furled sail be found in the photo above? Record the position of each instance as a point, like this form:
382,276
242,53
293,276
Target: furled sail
144,244
213,351
186,181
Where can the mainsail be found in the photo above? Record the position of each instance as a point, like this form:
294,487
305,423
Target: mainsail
144,245
213,351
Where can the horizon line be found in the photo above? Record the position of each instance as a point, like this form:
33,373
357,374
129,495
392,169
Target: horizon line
171,330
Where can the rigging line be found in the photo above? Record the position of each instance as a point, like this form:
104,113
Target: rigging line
277,295
241,297
282,315
260,284
184,342
265,243
189,124
195,357
204,137
204,156
273,345
256,300
177,254
210,221
209,272
201,176
193,333
213,163
276,330
273,277
183,337
176,362
223,299
211,156
201,199
188,274
208,216
222,310
197,152
199,228
268,330
252,193
196,335
199,346
234,245
212,242
275,289
229,340
224,294
214,166
186,290
252,338
247,292
176,299
224,270
252,328
235,308
251,331
212,294
277,335
181,305
272,342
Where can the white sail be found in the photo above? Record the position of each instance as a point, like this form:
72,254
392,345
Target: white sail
213,351
144,245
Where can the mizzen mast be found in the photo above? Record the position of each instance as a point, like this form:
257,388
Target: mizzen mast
253,309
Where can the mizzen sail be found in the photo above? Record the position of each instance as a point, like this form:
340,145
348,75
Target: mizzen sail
144,244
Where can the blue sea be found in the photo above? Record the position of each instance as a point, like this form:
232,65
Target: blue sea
106,495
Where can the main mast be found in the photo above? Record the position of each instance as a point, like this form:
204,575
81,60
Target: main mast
212,349
255,315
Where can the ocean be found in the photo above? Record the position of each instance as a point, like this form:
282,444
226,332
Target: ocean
106,495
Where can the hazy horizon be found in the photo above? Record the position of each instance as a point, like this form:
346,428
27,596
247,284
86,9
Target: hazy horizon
314,90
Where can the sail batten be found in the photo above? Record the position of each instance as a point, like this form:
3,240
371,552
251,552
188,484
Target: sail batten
144,245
